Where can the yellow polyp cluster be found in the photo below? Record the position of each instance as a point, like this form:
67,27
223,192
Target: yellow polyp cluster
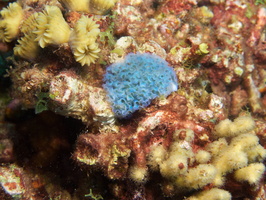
47,28
227,128
212,194
11,18
242,155
76,5
197,177
40,30
177,164
52,29
236,150
98,7
83,41
101,6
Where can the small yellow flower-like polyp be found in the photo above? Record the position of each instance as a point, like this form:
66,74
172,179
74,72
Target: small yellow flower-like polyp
11,18
27,47
52,29
83,41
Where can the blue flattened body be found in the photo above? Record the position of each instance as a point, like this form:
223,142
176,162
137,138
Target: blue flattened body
133,83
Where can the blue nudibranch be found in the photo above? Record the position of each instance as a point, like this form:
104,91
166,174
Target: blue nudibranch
133,83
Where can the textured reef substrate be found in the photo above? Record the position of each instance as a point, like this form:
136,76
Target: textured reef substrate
64,135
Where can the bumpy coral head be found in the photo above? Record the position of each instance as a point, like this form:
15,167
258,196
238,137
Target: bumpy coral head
133,83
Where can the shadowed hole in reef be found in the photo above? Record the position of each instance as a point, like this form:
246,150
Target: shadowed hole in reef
44,144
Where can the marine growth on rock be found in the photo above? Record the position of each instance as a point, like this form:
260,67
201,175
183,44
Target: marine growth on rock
138,79
187,78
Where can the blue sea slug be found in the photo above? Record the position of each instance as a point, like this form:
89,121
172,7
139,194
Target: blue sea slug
134,82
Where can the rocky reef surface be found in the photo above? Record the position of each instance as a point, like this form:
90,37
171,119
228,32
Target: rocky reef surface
72,70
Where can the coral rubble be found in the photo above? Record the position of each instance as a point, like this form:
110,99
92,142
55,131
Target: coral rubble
90,106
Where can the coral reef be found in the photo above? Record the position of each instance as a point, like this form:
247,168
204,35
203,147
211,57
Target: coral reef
90,106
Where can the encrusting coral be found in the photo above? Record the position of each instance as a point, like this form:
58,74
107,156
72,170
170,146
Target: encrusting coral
178,165
182,164
202,156
68,93
11,17
237,155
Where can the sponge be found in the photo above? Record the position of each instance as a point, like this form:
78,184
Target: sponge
138,79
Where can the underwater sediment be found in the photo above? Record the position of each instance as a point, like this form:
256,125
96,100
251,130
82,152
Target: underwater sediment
133,99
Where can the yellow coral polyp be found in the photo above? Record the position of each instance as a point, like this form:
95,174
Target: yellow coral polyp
156,156
76,5
198,176
84,29
98,7
227,128
236,155
83,41
52,29
29,24
86,54
202,156
27,48
251,174
101,6
138,174
11,18
212,194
